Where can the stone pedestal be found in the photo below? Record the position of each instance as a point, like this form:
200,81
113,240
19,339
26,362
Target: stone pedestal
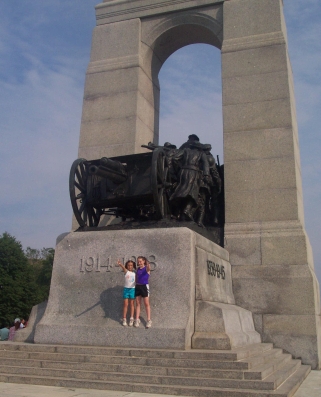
273,277
188,270
269,250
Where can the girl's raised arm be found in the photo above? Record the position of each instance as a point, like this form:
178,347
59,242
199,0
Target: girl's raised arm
122,266
147,266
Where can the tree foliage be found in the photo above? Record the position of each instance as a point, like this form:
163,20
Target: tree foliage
24,278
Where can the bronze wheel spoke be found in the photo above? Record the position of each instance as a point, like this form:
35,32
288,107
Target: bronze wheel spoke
83,206
80,180
79,187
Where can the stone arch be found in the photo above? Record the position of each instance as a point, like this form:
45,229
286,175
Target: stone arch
162,37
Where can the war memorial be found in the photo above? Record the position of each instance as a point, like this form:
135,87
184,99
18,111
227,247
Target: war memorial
234,298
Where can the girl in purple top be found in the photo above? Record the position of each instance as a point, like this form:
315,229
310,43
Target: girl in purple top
142,289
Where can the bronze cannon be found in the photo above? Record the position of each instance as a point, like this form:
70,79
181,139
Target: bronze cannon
134,187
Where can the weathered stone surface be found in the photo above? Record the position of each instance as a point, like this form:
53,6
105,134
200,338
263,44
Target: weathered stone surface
295,334
244,250
256,249
123,40
87,293
277,289
86,289
257,115
111,82
251,17
109,12
258,323
272,173
213,282
222,326
269,243
94,132
266,205
108,107
275,247
253,61
119,98
256,88
258,144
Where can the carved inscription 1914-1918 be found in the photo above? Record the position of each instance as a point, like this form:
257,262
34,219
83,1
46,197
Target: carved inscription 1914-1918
105,263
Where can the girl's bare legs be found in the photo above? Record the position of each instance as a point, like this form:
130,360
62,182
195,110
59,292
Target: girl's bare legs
138,307
131,307
147,307
125,307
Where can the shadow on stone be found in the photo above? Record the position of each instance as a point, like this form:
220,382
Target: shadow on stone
111,302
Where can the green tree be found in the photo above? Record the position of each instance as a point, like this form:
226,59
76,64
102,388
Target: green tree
44,276
33,255
41,262
19,288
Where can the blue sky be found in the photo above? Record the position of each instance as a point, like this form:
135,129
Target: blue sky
44,53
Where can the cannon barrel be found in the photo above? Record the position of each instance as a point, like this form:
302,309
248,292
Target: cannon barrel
113,165
108,173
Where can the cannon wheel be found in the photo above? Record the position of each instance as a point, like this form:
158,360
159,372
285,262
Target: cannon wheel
160,182
85,213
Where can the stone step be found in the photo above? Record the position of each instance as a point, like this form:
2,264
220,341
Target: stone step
233,360
262,371
107,360
195,354
258,374
286,390
127,368
257,370
263,358
283,373
270,383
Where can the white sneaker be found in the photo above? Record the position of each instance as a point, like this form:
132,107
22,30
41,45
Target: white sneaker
131,322
124,322
136,323
149,324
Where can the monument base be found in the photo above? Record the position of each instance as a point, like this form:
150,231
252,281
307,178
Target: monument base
230,326
85,301
274,278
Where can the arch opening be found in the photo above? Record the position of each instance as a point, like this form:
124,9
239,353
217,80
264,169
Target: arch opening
191,97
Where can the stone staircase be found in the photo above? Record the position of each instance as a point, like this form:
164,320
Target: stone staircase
256,370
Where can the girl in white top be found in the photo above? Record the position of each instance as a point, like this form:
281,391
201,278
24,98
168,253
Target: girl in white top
129,290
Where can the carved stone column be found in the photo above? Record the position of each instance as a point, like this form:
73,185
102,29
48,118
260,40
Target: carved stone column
118,111
273,272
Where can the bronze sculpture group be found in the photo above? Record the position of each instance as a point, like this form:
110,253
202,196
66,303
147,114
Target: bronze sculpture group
177,184
196,181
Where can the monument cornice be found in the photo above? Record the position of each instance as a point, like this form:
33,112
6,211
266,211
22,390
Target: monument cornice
250,42
120,10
